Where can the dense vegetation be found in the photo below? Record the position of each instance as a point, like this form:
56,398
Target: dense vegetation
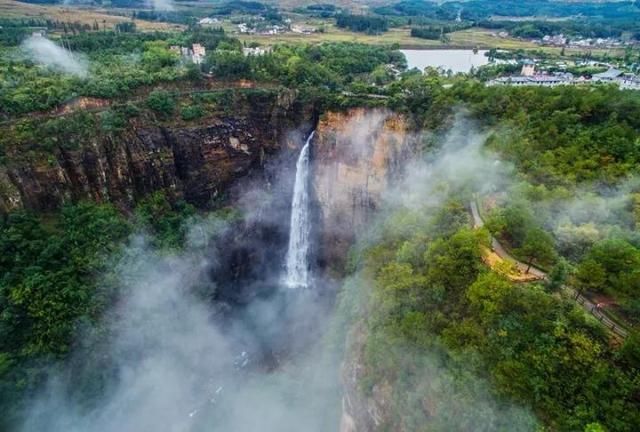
588,28
577,151
441,329
15,30
138,60
433,32
572,207
480,9
596,19
323,10
363,23
134,60
55,281
562,136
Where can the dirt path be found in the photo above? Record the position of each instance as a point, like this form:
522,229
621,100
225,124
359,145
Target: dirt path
587,304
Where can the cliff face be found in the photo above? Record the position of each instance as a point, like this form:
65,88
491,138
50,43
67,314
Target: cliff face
356,155
360,412
196,161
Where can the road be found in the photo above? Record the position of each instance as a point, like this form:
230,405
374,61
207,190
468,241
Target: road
587,304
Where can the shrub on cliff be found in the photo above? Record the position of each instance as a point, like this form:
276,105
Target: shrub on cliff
161,102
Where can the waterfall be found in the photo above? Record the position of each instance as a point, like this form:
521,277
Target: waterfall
297,262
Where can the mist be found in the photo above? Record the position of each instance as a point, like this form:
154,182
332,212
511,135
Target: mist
174,354
435,167
177,362
191,346
162,5
43,51
460,161
579,216
437,391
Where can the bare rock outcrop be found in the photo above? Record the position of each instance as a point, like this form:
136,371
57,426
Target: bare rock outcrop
196,161
356,156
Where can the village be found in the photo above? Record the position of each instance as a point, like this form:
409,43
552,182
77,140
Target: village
531,73
274,29
565,41
196,53
531,76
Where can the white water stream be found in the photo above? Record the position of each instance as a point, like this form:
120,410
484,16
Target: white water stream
297,261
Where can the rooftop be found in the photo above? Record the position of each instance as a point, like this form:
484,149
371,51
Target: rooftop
610,74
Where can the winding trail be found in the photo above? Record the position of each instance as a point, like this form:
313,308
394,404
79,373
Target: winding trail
587,304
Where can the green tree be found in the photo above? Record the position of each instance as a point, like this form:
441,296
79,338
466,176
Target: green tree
594,427
194,73
164,218
537,247
590,276
619,261
229,65
558,275
454,263
630,350
161,102
157,55
486,295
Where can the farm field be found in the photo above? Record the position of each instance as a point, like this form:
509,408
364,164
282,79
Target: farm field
467,38
14,9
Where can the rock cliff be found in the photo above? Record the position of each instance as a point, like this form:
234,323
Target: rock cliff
361,412
196,161
356,155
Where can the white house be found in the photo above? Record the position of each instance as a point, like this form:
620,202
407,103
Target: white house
199,53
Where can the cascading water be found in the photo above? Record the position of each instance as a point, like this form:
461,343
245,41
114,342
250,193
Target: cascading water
297,262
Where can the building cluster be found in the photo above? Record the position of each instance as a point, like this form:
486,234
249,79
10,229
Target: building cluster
616,76
561,40
302,29
596,42
274,29
530,77
196,53
255,51
205,21
262,30
564,41
557,40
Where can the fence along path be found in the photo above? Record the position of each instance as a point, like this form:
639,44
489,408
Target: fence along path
587,304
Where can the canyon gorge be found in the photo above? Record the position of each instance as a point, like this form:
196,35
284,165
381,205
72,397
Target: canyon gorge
245,161
205,227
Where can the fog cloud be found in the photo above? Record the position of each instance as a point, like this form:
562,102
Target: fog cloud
168,358
162,5
436,389
44,51
459,161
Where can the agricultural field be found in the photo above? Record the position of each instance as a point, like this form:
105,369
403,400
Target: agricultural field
105,18
476,37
